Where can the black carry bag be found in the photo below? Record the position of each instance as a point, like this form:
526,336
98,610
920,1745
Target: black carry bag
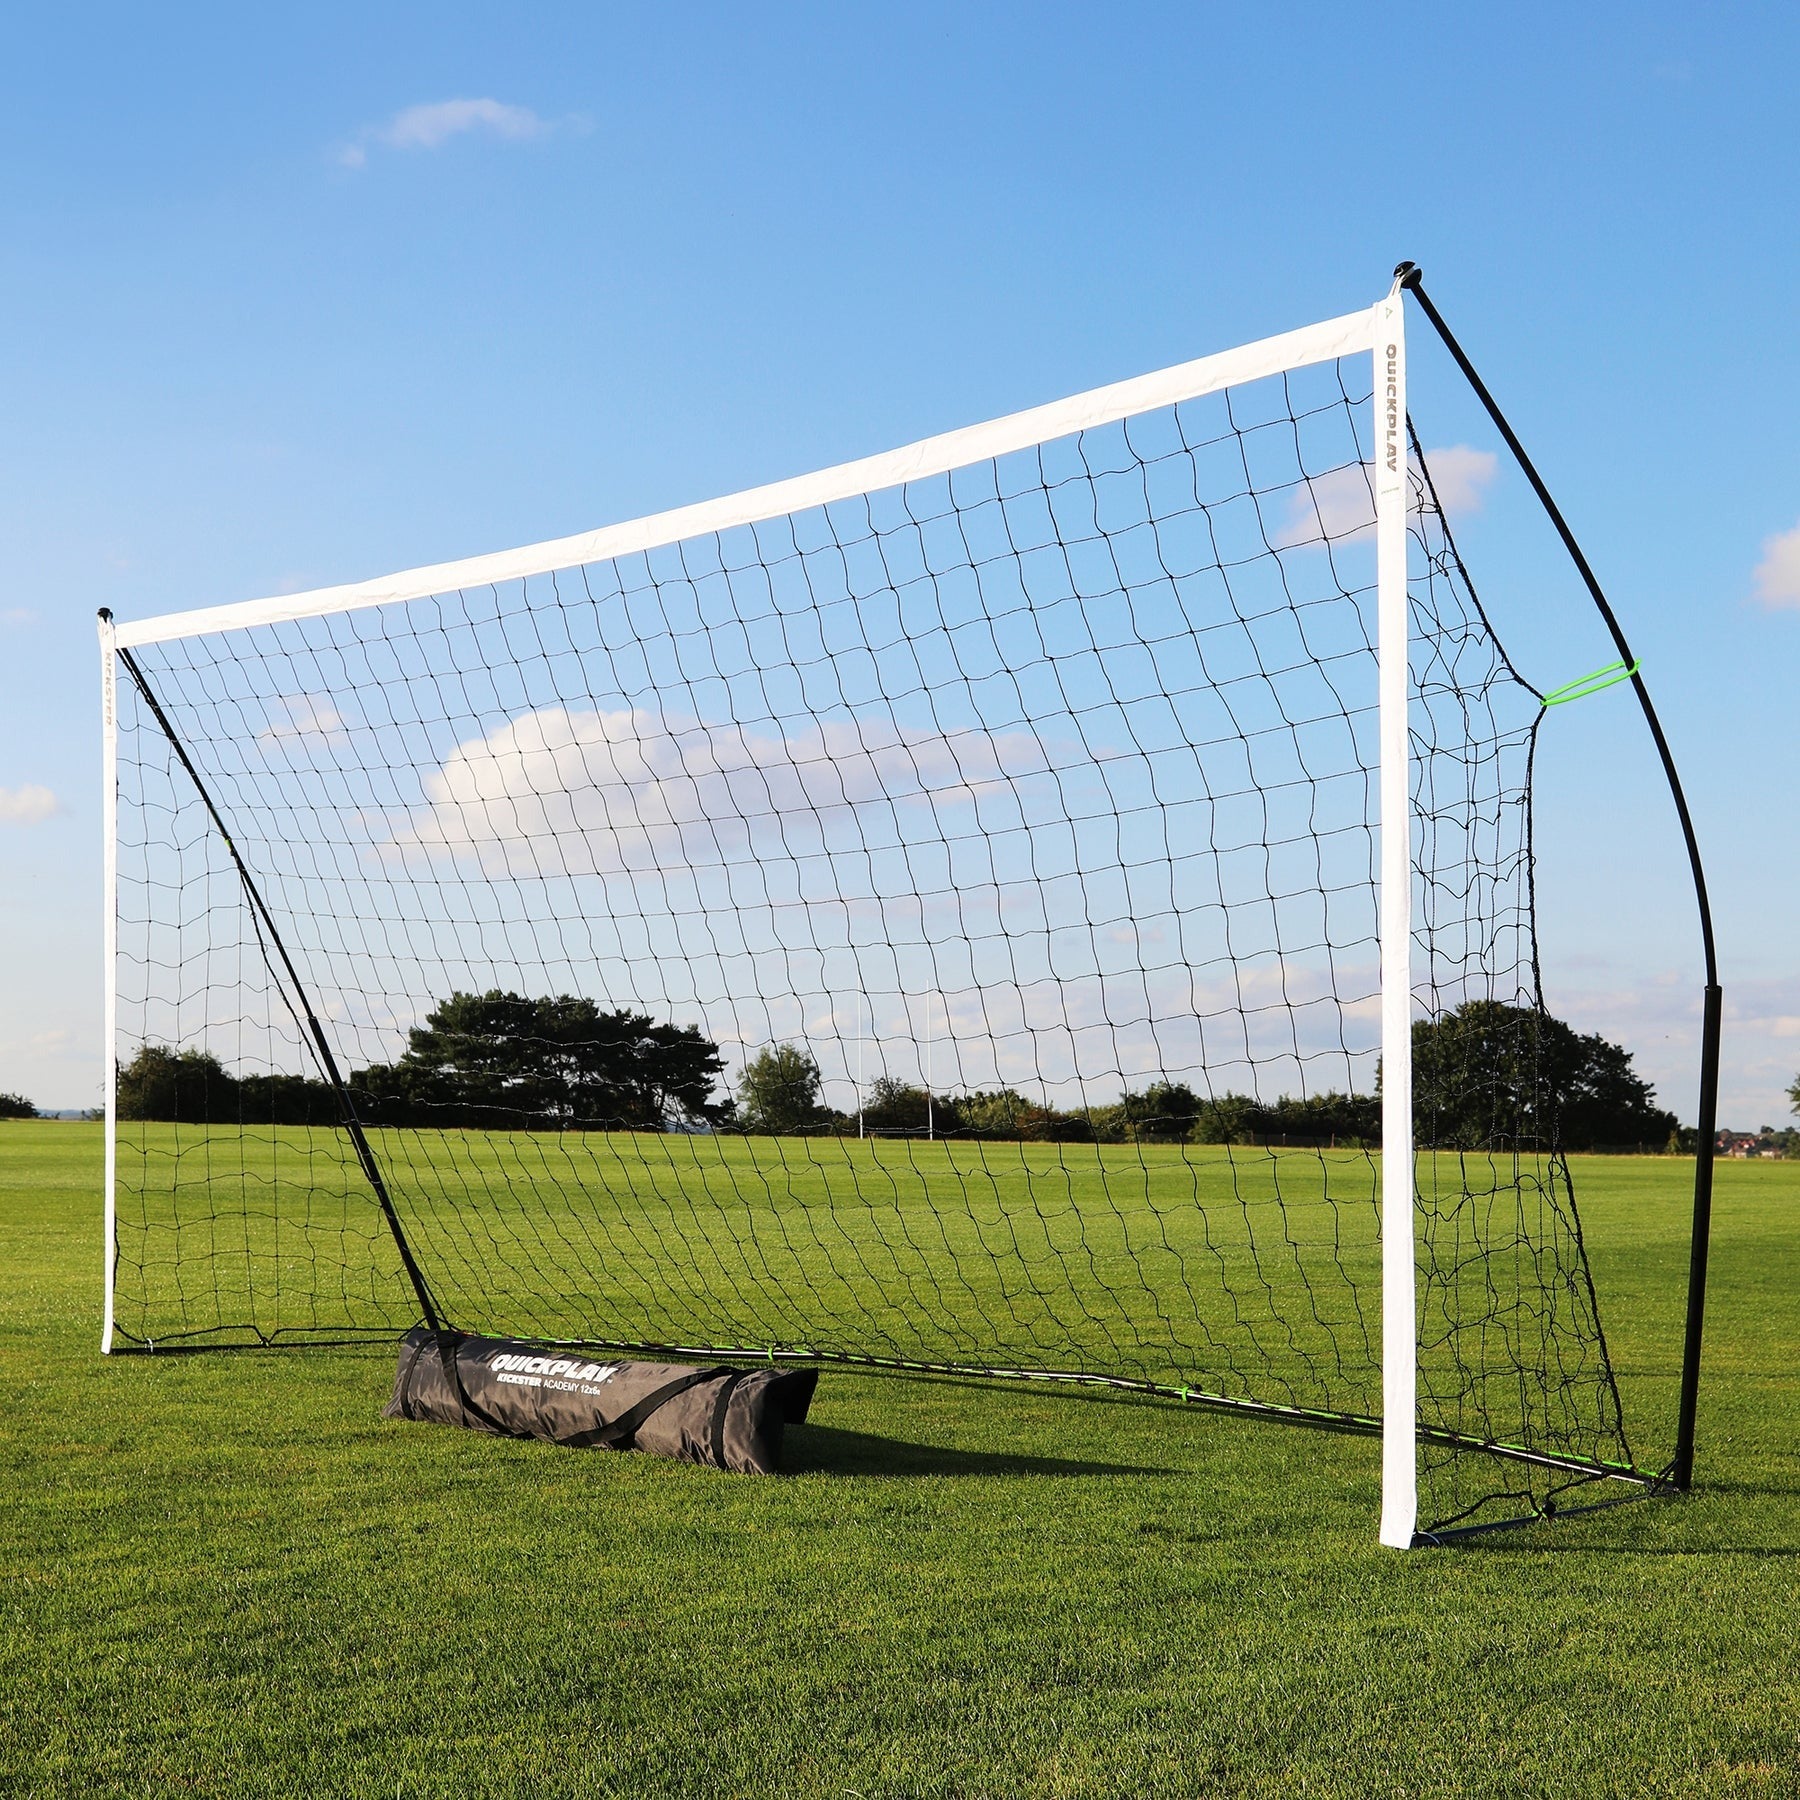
724,1418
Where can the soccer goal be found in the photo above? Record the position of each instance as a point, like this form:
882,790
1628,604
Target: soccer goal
561,943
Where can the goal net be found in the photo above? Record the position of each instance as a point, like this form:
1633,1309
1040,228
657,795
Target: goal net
968,910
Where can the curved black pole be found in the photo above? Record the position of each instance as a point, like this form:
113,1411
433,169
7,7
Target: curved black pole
346,1107
1681,1470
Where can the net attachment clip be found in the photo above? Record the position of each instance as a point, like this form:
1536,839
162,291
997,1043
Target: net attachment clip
1583,685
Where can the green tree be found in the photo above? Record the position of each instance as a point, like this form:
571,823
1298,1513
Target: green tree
1166,1112
1494,1077
779,1090
287,1100
1793,1094
895,1105
16,1106
192,1087
1226,1119
501,1060
1005,1113
184,1087
1343,1119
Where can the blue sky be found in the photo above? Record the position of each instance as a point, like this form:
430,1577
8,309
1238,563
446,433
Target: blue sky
269,326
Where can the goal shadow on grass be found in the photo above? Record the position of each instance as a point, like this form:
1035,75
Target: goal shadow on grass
831,1450
1695,1552
1619,1528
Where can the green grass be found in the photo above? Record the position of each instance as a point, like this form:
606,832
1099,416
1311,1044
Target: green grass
226,1575
1166,1263
1245,1273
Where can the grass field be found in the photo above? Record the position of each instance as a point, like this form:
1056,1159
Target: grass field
225,1574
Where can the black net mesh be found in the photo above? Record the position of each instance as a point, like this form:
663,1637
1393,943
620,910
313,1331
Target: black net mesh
938,928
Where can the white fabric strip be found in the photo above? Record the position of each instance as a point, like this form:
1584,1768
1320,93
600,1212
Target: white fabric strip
1399,1324
109,828
871,474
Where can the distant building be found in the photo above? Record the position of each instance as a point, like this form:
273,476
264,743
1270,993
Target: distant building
1767,1142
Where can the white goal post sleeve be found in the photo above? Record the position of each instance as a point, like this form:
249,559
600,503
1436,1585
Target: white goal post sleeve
1399,1328
109,826
870,474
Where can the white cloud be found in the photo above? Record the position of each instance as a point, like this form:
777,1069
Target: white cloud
426,127
1339,507
1657,1018
19,615
27,805
1333,507
642,791
1778,574
303,716
867,857
1461,474
434,124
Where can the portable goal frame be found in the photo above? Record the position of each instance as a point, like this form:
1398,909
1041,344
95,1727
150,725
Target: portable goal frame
1378,332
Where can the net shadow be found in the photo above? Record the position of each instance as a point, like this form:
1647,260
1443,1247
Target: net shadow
832,1450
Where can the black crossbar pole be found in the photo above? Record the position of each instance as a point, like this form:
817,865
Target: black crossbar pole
1681,1469
346,1106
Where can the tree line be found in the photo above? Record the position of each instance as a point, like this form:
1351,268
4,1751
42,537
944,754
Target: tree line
1486,1076
493,1061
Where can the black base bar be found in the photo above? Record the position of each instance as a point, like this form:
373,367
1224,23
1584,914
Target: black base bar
204,1343
1316,1418
1680,1472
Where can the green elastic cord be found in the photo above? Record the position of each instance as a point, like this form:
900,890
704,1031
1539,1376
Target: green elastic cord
1582,686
